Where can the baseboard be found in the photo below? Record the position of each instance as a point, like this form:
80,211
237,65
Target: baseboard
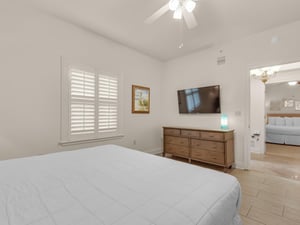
155,151
240,165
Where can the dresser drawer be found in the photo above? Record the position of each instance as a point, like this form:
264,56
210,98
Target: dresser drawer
208,145
208,156
190,133
177,140
169,131
212,136
177,150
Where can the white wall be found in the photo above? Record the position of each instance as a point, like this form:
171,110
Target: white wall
257,116
200,69
278,93
31,44
278,90
285,76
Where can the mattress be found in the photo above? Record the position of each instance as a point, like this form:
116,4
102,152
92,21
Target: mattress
114,185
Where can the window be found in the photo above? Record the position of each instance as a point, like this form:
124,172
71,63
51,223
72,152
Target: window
90,105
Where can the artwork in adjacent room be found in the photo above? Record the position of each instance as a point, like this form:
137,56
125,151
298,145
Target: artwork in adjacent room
275,105
140,99
297,105
289,103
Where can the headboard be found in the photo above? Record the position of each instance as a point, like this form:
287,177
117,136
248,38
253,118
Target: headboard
283,115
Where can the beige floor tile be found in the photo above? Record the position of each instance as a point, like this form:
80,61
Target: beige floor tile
270,197
247,221
249,191
292,203
273,189
250,178
283,150
269,218
271,207
279,160
293,193
265,187
292,214
245,205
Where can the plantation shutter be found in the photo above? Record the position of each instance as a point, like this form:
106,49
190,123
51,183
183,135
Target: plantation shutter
82,102
107,103
91,105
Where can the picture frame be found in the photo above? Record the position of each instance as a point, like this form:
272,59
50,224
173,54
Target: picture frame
140,99
289,103
297,105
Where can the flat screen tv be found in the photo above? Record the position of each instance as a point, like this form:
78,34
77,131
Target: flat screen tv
199,100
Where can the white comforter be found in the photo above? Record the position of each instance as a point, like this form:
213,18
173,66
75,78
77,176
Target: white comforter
114,185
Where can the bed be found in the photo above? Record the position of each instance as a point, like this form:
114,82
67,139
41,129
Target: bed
283,129
114,185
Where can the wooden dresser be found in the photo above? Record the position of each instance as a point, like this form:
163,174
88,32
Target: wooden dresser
209,146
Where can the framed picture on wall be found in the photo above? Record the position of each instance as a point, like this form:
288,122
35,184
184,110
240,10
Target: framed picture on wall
297,105
140,99
289,103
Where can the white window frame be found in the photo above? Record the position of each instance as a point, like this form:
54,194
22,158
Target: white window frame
66,138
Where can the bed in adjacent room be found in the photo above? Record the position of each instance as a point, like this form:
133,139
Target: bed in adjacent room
114,185
283,129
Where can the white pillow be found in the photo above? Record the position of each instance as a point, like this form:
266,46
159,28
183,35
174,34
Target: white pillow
296,121
289,121
280,121
272,120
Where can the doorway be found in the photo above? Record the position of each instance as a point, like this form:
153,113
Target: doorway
274,106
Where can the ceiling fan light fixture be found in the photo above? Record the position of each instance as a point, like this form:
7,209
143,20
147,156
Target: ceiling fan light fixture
174,4
178,14
189,5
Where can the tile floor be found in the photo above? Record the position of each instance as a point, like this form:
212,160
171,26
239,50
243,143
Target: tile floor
268,199
271,189
281,160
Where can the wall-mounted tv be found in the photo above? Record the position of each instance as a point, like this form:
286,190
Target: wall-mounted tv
199,100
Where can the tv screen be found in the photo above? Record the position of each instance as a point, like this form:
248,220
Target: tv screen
199,100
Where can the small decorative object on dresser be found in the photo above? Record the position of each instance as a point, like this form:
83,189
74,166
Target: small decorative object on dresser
208,146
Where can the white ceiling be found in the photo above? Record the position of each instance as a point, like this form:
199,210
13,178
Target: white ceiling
219,21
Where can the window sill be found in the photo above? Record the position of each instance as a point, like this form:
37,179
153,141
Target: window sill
78,142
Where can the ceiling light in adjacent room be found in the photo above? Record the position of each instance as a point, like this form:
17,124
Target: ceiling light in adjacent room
264,74
292,83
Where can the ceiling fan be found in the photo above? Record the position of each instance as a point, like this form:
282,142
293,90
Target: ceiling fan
181,8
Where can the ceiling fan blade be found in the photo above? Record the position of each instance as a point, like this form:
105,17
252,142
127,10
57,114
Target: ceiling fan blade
190,19
157,14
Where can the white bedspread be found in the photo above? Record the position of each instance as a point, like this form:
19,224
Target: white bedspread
114,185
